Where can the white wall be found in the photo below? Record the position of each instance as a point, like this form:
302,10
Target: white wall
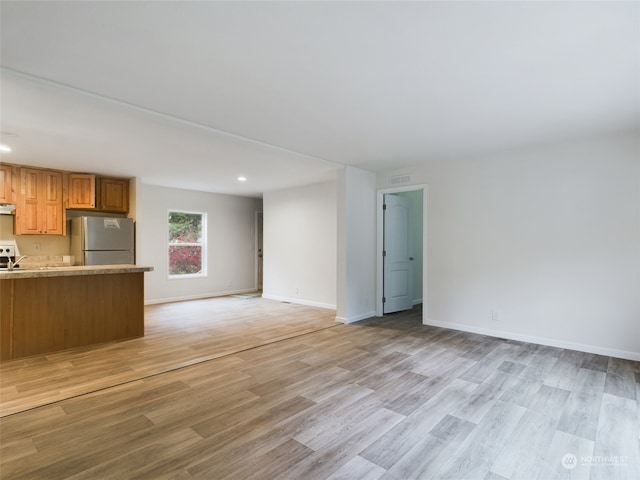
300,245
548,237
230,242
356,245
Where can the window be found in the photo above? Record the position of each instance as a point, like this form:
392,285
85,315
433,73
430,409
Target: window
187,241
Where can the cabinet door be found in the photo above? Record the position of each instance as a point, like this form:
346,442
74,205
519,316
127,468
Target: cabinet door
113,194
5,184
52,211
39,209
28,210
82,191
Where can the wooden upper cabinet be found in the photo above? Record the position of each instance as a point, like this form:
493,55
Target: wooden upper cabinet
42,196
6,190
112,194
40,204
91,192
81,191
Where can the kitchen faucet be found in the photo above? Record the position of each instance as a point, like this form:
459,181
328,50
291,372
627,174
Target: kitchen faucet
11,264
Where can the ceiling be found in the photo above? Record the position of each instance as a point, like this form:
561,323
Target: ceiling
194,94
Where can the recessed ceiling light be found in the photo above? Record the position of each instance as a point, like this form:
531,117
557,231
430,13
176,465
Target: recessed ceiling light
4,148
242,179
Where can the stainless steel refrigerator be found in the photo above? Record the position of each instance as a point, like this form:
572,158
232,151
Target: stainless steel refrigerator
102,241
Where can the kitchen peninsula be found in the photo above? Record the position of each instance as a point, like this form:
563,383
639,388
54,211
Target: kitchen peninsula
44,310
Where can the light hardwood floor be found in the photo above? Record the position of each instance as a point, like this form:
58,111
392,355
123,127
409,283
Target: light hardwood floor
176,335
383,398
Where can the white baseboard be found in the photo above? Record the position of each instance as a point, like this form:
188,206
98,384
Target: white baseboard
157,301
299,301
356,318
609,352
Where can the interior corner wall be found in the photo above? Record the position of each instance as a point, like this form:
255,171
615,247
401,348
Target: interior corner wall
356,245
299,243
230,242
540,244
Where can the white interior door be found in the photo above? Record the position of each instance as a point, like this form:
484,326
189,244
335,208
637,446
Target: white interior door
397,261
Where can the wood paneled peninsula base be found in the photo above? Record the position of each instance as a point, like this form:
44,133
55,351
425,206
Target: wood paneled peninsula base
45,311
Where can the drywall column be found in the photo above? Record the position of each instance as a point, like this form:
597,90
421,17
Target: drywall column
356,245
300,245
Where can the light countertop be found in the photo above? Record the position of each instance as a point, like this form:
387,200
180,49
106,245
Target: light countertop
39,272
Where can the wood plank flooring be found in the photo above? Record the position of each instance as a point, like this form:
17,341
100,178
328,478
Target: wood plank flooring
384,398
177,335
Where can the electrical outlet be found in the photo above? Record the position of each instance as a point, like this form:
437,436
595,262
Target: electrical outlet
495,315
37,247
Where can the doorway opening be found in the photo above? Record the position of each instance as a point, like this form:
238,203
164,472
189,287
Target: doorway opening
401,249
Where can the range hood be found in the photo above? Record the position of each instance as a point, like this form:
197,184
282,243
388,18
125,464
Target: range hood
6,208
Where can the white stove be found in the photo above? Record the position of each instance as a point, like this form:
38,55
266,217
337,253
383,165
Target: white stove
7,253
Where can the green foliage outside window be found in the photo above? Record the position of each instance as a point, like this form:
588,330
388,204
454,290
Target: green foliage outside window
185,227
185,243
